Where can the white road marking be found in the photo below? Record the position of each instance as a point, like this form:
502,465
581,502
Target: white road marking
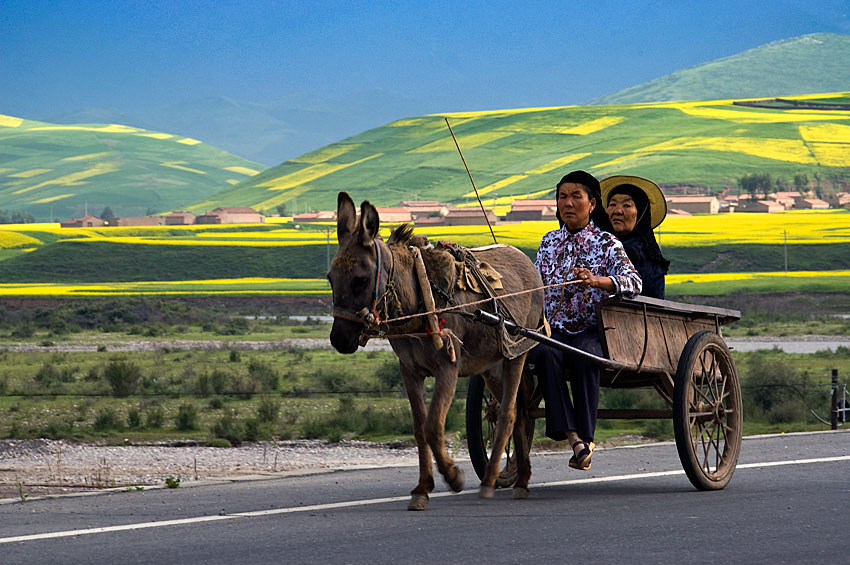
368,502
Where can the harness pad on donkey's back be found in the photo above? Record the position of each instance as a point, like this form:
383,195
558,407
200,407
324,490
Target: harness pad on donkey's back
481,278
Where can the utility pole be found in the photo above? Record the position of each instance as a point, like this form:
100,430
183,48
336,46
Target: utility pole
785,233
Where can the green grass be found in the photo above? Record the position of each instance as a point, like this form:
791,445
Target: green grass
81,261
815,62
64,172
383,165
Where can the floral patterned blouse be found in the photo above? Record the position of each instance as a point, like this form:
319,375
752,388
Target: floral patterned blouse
570,308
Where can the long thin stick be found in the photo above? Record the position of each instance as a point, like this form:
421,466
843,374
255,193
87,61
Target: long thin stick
483,211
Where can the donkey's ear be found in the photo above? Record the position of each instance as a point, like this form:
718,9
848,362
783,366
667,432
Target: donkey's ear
369,223
346,216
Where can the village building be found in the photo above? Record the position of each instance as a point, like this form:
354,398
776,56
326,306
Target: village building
812,204
423,208
768,206
394,215
231,216
532,210
695,204
468,217
320,216
140,221
84,222
180,218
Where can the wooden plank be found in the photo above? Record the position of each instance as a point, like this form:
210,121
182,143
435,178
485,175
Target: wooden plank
694,310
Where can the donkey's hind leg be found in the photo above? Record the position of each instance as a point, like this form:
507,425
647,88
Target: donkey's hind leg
511,372
415,387
522,434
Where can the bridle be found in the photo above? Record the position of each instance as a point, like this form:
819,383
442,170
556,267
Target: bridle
371,316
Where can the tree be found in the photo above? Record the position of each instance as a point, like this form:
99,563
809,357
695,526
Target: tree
107,214
801,182
281,210
755,183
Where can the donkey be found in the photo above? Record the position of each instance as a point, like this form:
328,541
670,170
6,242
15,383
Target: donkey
372,279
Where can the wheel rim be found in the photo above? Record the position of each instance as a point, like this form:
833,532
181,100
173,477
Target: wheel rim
714,413
489,416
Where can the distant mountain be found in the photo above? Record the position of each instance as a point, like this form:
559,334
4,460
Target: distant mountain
522,153
269,132
819,62
65,171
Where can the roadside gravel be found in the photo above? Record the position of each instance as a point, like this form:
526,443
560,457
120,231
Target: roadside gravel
58,467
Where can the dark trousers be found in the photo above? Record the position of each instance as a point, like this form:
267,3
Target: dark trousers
553,368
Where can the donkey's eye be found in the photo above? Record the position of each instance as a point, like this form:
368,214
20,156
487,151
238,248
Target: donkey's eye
359,283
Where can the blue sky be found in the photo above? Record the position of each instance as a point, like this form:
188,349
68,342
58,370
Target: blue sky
58,56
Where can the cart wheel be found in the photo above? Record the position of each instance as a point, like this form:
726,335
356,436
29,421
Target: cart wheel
482,410
707,411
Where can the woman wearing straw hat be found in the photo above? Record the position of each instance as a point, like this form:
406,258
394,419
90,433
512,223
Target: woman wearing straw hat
585,263
636,206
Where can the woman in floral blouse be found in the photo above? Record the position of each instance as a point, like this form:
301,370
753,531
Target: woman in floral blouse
582,251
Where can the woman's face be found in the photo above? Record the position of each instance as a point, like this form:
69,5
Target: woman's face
575,205
622,212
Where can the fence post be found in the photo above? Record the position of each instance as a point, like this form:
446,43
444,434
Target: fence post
834,403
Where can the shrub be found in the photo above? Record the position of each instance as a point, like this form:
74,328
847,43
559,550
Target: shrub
243,388
235,356
47,375
263,374
786,411
770,382
219,442
228,428
234,326
660,429
187,417
252,429
23,331
106,419
123,376
268,409
134,418
390,376
154,417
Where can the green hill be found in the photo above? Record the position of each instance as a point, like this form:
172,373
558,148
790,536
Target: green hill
61,171
810,63
522,153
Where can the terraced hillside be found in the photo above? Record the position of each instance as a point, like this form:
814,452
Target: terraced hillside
521,153
60,171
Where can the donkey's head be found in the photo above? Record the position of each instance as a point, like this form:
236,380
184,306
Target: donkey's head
356,272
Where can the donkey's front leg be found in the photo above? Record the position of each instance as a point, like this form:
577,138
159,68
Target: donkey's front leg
511,373
445,378
415,387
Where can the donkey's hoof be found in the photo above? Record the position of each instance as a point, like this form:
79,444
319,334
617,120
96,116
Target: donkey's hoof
519,493
486,492
418,502
457,484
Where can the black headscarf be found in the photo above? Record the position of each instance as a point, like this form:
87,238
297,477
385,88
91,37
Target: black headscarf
598,215
643,225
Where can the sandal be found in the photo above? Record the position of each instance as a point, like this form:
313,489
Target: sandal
582,461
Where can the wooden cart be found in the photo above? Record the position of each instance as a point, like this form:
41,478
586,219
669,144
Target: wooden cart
675,348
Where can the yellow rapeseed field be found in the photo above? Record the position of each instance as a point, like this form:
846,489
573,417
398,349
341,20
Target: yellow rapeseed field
253,285
12,240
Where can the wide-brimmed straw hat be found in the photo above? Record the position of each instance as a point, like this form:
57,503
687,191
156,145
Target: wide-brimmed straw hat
657,203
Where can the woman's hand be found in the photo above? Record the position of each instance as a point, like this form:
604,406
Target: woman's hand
588,280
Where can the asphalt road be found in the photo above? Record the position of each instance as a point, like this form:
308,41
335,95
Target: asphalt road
788,502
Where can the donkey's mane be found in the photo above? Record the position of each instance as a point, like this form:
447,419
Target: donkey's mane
401,234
